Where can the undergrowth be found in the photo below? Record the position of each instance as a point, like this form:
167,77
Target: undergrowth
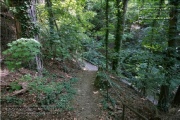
12,99
49,94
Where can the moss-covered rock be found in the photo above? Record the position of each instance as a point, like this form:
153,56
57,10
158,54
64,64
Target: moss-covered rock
101,81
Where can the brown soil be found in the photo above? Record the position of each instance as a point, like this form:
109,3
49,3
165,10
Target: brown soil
87,101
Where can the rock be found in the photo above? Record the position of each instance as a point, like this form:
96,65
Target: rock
118,103
118,112
110,107
173,111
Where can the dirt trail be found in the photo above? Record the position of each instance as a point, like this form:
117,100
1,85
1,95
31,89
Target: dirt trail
87,100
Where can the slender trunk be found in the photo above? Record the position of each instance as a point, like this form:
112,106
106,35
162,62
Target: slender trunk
50,14
107,32
33,16
119,31
52,23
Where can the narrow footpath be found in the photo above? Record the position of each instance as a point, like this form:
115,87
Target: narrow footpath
87,100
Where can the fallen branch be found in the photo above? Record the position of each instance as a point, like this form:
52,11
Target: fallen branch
25,88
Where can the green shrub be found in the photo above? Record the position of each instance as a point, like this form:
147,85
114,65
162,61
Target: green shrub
21,52
51,94
101,81
12,99
15,86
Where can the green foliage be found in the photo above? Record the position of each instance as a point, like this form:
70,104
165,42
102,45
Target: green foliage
15,86
147,71
105,103
101,81
28,28
70,22
12,99
21,52
155,38
51,94
92,54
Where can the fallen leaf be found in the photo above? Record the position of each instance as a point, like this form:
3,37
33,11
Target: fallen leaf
95,92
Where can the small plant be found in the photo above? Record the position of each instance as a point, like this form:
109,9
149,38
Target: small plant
104,102
21,52
101,81
27,77
12,99
51,94
15,86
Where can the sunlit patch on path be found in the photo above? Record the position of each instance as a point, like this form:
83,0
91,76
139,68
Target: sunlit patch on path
89,67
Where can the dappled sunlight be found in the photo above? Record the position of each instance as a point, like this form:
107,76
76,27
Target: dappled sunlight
89,67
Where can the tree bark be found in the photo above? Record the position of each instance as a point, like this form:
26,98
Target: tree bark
107,32
164,98
117,38
176,101
119,31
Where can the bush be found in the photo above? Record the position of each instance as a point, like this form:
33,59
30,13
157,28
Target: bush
21,52
101,81
51,94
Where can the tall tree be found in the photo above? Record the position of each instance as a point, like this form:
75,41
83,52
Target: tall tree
52,25
173,42
107,32
119,30
50,16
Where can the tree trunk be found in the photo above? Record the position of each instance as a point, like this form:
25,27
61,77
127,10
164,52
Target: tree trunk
52,24
119,31
176,101
164,98
117,38
107,32
172,44
50,14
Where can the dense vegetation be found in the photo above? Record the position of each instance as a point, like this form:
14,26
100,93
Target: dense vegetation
139,40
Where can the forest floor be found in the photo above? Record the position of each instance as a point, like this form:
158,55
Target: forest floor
88,103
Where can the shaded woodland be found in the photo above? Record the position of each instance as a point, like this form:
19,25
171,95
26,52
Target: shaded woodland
132,42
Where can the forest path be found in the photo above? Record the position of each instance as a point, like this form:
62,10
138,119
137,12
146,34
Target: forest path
87,100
